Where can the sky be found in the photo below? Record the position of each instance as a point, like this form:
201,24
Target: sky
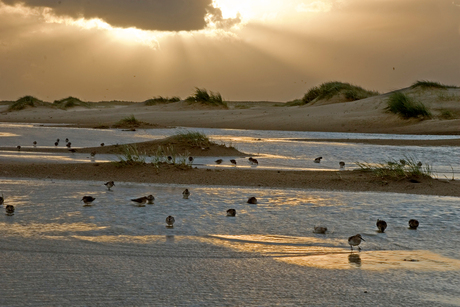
253,50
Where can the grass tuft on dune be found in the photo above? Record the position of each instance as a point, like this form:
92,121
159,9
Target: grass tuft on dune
407,107
27,102
71,102
329,90
202,96
161,99
424,84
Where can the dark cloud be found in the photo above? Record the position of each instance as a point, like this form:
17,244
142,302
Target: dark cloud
160,15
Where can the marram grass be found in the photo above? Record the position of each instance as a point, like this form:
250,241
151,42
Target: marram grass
406,107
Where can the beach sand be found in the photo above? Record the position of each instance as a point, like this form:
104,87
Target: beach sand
367,115
58,253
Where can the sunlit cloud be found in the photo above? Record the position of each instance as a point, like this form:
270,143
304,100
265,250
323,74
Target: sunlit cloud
314,7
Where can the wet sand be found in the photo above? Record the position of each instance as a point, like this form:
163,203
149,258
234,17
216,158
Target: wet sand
357,181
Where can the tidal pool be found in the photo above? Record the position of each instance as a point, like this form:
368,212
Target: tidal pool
56,251
278,150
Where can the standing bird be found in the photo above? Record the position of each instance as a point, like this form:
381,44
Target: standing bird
320,229
93,155
381,225
102,144
169,159
68,145
342,164
170,221
56,143
252,200
233,161
67,140
413,224
318,160
109,184
419,164
190,160
253,161
355,241
231,212
87,200
140,202
218,161
185,194
18,147
35,143
9,209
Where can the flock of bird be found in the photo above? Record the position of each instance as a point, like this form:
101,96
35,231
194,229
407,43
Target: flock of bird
251,160
141,201
381,225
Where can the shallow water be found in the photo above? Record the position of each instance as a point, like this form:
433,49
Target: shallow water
274,149
59,252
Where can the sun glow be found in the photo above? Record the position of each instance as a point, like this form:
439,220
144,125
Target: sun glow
249,10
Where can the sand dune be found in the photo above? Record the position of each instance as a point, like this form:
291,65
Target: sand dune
366,115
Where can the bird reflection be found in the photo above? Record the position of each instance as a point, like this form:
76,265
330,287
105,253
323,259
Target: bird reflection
354,259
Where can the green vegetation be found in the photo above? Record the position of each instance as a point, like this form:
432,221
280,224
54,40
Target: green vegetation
447,114
202,96
160,99
406,107
402,169
130,156
292,103
424,84
71,102
195,139
27,101
447,97
127,122
330,89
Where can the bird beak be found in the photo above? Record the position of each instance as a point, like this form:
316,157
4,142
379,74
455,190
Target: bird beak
362,239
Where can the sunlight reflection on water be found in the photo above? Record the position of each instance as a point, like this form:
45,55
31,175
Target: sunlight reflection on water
275,150
280,224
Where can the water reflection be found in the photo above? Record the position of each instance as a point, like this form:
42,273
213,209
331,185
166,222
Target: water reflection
354,259
274,149
306,252
279,226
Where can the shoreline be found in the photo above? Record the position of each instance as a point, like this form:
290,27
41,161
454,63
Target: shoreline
352,181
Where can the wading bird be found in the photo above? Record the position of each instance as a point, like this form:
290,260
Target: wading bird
413,224
170,221
252,200
320,229
9,209
231,212
381,225
185,194
109,184
355,241
87,200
